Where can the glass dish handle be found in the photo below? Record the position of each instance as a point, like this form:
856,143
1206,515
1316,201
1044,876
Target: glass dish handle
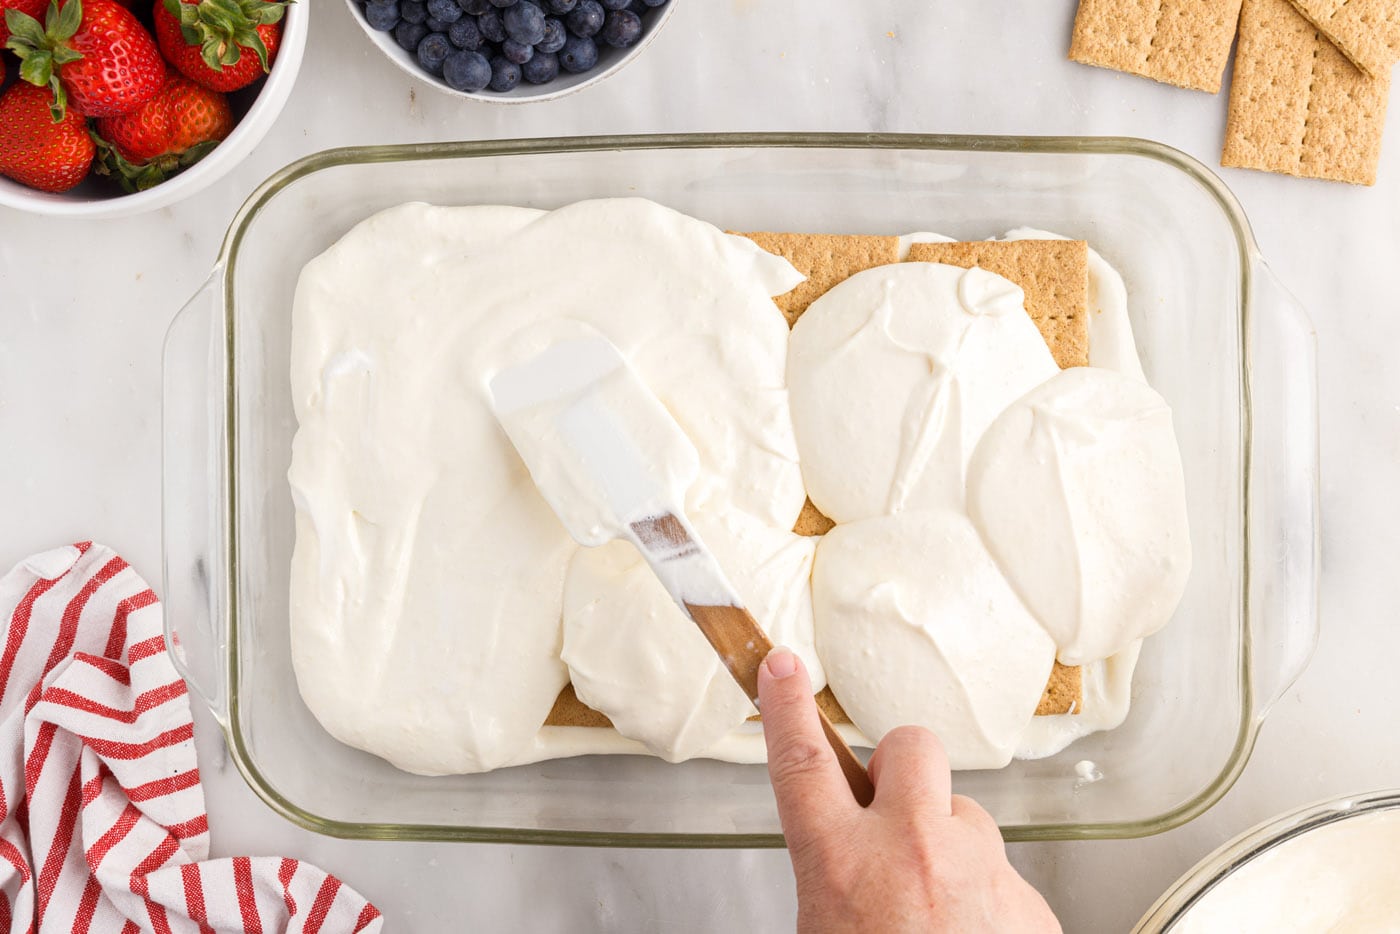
193,518
1283,523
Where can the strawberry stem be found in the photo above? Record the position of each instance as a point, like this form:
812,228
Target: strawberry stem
224,28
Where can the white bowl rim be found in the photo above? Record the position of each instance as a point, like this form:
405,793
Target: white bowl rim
249,132
384,41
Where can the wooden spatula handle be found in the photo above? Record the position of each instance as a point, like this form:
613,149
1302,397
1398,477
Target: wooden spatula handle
742,645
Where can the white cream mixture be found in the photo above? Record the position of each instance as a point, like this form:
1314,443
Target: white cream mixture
430,578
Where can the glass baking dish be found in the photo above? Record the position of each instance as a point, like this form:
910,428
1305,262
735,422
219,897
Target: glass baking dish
1219,338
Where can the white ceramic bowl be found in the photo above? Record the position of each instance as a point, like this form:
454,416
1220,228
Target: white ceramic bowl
610,61
100,198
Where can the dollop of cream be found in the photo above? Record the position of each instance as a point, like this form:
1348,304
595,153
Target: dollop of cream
1077,490
428,576
917,625
895,373
634,656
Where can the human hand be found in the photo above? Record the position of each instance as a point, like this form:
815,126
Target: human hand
919,858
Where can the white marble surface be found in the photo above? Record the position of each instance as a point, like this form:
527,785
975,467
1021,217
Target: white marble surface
83,307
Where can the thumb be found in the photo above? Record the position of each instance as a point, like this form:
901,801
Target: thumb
807,781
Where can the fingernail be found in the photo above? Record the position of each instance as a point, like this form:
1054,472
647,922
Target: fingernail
781,662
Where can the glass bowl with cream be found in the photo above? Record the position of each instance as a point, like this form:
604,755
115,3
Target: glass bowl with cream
1325,867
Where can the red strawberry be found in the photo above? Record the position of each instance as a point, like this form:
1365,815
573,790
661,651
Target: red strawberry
182,115
223,45
170,132
36,151
93,51
28,7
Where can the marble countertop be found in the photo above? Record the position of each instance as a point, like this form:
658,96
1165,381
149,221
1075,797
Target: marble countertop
84,305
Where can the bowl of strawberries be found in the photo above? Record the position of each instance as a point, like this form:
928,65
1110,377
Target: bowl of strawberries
115,107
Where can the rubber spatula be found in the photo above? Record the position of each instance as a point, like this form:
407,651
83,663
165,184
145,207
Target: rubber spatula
612,463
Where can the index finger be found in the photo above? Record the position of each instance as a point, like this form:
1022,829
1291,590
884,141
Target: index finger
811,790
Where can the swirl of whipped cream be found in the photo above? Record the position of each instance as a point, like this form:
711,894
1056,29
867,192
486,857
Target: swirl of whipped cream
633,655
893,376
1077,490
917,625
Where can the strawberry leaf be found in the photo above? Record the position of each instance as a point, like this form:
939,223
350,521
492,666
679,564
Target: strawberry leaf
223,29
36,67
259,48
42,49
196,152
135,177
263,12
24,30
212,53
64,21
59,105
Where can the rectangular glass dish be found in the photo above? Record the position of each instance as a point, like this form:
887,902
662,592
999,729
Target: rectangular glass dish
1218,338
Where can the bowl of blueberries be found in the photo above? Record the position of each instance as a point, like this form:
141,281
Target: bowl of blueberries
511,50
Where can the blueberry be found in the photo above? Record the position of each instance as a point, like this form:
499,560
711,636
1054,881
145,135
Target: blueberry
464,34
492,29
382,14
517,52
586,20
614,4
445,10
560,7
524,23
505,74
621,29
554,36
413,11
541,69
408,35
433,51
435,25
654,3
466,71
579,54
502,4
474,7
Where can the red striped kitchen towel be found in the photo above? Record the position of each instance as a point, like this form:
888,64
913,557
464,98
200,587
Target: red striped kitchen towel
102,820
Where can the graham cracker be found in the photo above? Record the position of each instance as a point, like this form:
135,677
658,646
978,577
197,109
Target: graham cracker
568,710
1054,274
1367,32
1297,105
811,521
825,259
1180,42
1064,693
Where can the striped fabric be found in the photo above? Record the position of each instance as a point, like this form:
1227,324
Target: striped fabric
102,820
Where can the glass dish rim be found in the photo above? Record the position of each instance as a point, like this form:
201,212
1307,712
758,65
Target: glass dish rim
1089,145
1220,864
